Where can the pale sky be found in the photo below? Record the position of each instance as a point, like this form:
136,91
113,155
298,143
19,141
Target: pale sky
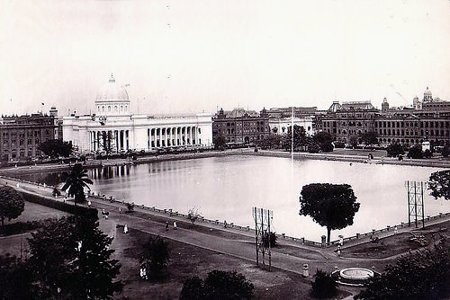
194,55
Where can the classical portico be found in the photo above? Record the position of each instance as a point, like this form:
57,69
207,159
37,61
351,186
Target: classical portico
114,128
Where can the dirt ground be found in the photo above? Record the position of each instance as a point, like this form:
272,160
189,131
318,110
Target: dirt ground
395,245
187,261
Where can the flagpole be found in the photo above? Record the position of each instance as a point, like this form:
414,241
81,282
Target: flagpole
292,133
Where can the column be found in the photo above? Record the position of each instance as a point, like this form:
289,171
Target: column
127,141
116,138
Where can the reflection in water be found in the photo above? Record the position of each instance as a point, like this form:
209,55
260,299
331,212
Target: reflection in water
226,188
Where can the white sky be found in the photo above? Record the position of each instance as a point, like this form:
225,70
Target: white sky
193,55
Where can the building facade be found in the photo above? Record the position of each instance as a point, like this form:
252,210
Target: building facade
280,119
241,126
426,120
20,136
114,128
348,119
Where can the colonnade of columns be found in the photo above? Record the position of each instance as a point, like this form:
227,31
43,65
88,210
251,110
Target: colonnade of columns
113,141
109,140
173,136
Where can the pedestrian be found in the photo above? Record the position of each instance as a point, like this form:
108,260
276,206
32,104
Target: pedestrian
125,228
225,224
89,203
174,225
395,229
167,225
339,250
120,210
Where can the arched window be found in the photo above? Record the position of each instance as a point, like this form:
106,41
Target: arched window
126,107
115,108
109,108
103,108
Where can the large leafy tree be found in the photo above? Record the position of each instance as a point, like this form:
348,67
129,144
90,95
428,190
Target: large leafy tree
154,257
218,285
15,279
76,181
423,275
324,140
369,138
439,184
71,259
11,203
219,142
300,138
270,141
330,205
394,149
55,148
415,152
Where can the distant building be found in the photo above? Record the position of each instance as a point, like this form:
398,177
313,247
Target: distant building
114,128
348,119
280,119
20,136
426,120
240,126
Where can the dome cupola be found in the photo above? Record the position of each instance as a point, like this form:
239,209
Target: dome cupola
112,99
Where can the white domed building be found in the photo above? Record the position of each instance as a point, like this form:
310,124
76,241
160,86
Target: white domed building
114,129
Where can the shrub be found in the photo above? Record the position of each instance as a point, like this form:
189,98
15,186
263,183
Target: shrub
323,286
154,257
422,275
394,149
218,285
415,152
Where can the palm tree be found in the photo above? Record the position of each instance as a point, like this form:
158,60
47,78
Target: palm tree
76,181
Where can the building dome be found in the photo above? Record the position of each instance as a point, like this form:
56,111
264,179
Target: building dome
112,99
111,91
427,95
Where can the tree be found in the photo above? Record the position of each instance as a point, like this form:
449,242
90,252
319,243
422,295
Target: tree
446,151
270,141
369,138
300,138
218,285
56,148
422,275
193,215
220,142
415,152
15,278
323,286
394,149
71,259
76,181
353,140
324,140
330,205
154,257
11,203
192,289
439,184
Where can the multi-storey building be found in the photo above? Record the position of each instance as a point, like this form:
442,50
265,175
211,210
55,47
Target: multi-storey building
348,119
241,126
20,136
426,120
280,119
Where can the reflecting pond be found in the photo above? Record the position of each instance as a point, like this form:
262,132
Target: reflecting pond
226,188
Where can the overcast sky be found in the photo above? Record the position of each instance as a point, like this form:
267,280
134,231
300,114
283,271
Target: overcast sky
194,55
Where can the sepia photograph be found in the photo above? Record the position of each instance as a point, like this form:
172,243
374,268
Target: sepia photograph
212,149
